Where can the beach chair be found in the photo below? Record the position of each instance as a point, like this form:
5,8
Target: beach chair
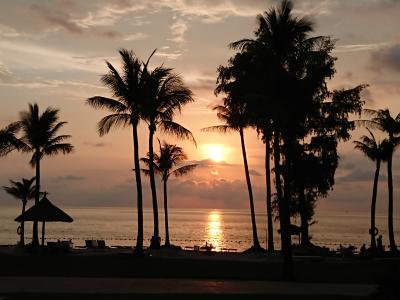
91,243
101,244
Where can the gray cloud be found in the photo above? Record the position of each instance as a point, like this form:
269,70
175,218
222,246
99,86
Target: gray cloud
387,58
56,17
98,145
367,96
9,78
70,178
254,173
205,163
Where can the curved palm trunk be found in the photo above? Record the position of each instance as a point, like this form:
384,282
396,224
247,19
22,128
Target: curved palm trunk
139,238
35,237
392,242
270,229
167,242
373,204
283,211
22,236
256,244
155,240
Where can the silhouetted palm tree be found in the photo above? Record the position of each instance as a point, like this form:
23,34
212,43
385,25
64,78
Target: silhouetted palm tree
128,89
234,115
165,164
24,191
279,38
8,140
382,120
374,151
39,137
166,94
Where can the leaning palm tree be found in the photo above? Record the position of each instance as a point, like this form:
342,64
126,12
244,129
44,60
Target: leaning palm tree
234,115
22,190
128,89
382,120
8,140
39,137
166,94
373,149
165,164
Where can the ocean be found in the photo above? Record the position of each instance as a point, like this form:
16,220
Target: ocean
188,227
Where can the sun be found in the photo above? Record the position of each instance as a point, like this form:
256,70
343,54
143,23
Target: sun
215,152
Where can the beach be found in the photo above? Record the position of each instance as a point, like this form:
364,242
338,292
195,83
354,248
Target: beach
259,269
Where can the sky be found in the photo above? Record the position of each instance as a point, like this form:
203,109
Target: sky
54,52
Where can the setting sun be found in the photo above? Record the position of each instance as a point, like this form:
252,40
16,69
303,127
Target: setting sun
215,152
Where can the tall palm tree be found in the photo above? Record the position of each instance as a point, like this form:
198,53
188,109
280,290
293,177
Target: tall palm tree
165,164
39,137
284,51
383,120
22,190
126,107
234,115
166,94
270,229
8,140
373,149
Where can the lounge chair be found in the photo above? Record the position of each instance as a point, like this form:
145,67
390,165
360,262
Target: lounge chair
91,243
101,244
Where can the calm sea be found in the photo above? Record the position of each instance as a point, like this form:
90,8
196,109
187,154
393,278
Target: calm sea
222,228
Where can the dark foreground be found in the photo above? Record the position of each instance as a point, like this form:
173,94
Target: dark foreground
182,274
129,288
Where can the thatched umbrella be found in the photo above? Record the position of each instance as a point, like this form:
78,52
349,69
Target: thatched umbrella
44,212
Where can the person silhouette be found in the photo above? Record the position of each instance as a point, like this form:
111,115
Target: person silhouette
379,243
363,249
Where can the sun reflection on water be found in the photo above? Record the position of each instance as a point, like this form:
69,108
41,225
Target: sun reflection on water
214,230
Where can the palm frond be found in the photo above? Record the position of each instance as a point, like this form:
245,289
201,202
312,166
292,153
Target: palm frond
108,103
177,130
184,170
218,128
55,149
113,121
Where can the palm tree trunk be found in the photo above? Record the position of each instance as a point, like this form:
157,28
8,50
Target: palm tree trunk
285,245
270,230
256,244
305,239
43,231
155,240
167,243
392,242
139,238
22,237
35,237
287,178
373,204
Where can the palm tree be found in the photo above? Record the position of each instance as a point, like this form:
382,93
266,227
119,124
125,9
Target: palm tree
128,89
164,164
39,137
234,115
166,94
382,120
22,190
284,51
8,140
373,149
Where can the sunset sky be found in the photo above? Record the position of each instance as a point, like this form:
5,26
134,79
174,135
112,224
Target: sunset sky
53,53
